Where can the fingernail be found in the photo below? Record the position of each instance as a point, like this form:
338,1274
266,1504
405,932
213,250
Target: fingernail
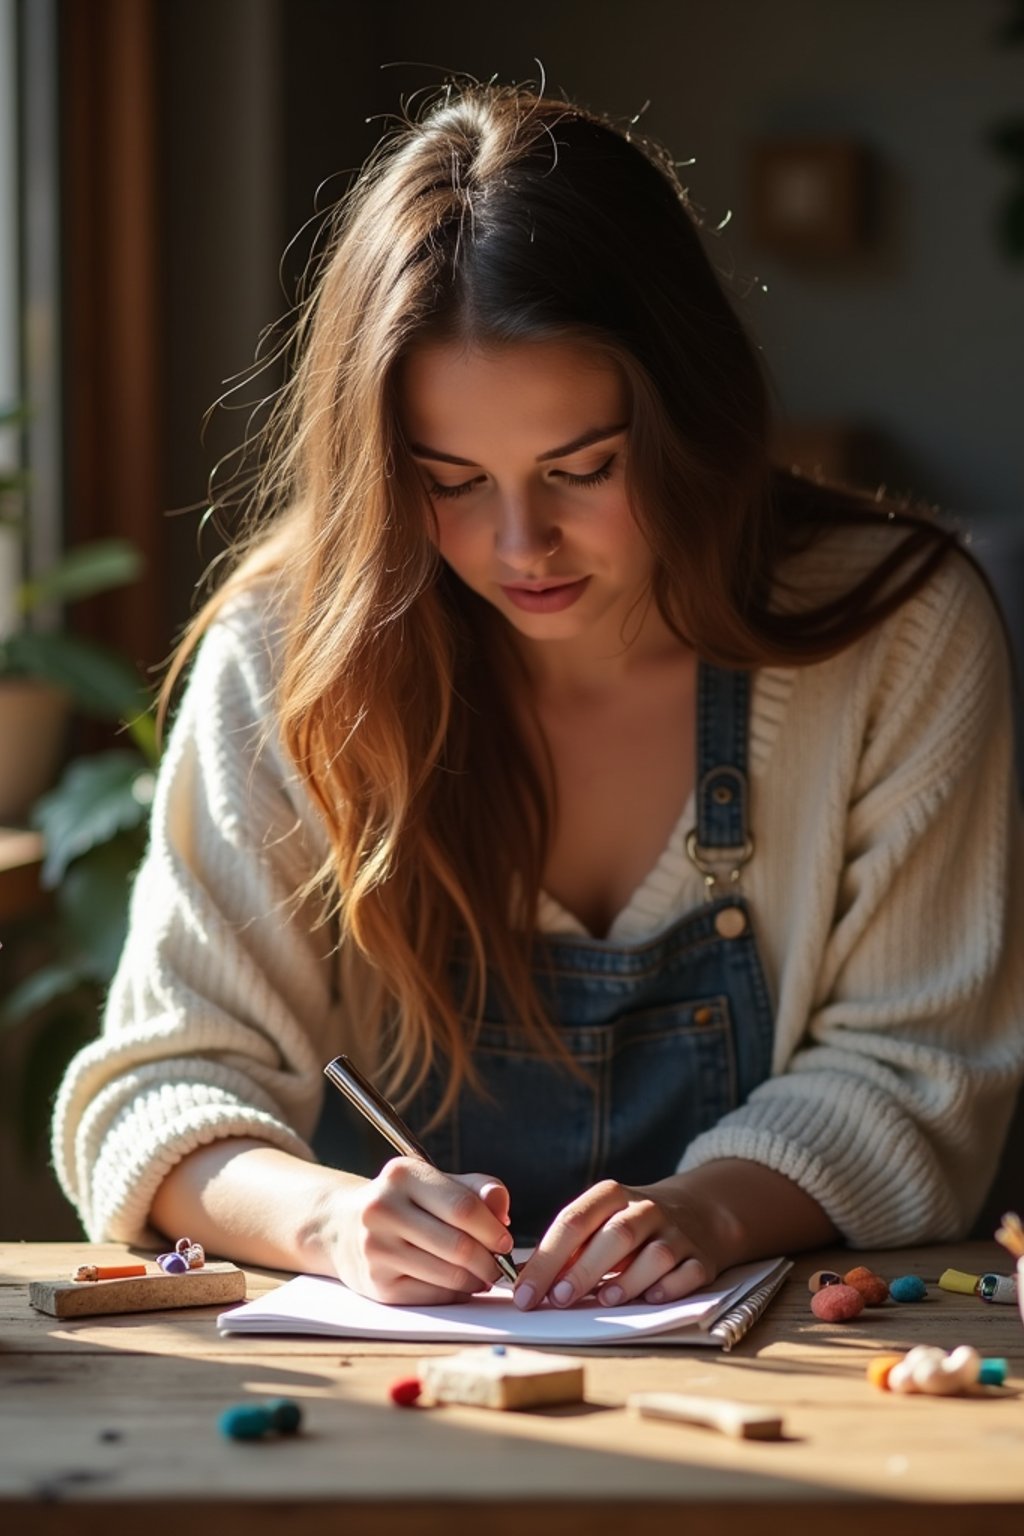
610,1296
523,1296
562,1293
506,1243
655,1294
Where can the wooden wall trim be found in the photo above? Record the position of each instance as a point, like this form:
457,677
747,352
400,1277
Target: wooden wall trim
111,266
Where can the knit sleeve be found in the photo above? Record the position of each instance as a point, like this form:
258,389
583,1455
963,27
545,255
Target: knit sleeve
215,1022
892,1106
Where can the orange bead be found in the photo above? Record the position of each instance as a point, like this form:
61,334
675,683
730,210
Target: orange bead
871,1286
878,1370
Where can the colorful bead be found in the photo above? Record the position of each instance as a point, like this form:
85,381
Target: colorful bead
821,1278
405,1391
498,1349
837,1303
183,1245
172,1263
245,1421
908,1288
285,1414
195,1256
879,1368
871,1286
930,1370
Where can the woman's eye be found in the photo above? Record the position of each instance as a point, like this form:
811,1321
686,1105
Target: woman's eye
596,476
443,491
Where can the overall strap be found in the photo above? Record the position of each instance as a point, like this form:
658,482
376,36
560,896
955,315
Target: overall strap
721,840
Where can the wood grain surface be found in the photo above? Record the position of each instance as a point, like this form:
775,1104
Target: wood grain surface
105,1421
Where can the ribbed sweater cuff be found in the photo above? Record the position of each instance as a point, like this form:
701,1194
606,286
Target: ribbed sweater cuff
882,1189
122,1170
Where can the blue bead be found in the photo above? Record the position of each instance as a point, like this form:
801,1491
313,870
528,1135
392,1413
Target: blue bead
908,1288
245,1421
498,1349
285,1415
173,1263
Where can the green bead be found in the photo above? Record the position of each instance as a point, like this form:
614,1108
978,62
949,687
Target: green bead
245,1421
285,1414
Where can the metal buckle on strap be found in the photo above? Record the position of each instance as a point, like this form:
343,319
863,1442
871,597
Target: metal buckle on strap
701,858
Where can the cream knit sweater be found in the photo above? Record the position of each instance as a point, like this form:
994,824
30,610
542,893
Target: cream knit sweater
886,887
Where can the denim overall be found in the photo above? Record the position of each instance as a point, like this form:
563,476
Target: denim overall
670,1034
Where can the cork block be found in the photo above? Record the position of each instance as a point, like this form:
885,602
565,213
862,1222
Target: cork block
156,1291
519,1378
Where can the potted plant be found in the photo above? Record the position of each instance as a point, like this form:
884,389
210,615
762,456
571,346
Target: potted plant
93,822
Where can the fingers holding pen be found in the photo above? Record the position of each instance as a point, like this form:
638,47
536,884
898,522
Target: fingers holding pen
432,1226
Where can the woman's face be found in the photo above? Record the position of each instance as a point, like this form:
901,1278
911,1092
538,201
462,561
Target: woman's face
523,453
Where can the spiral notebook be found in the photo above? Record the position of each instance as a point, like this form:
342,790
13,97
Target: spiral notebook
717,1317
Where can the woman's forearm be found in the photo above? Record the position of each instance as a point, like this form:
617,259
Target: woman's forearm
757,1212
253,1203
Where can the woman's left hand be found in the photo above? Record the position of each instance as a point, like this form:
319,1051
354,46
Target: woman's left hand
653,1242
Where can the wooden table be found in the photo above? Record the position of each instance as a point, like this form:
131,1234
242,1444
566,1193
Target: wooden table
107,1426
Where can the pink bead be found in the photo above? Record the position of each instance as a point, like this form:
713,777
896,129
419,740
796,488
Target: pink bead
837,1303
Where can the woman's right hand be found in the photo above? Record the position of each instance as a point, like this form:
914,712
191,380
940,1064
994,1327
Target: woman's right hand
414,1236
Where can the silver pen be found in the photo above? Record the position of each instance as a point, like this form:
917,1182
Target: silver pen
374,1107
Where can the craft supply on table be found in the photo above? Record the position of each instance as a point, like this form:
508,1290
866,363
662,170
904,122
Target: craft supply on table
997,1288
837,1303
743,1421
934,1372
821,1278
257,1421
872,1287
908,1288
406,1391
518,1378
150,1291
88,1273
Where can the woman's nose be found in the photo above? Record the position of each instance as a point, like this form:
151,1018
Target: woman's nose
523,537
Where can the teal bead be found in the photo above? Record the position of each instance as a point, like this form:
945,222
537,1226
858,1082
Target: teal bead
908,1288
993,1372
245,1421
285,1414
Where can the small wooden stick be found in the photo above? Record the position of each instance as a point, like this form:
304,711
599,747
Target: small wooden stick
740,1420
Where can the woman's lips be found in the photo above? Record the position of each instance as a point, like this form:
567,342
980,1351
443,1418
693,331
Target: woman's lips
550,598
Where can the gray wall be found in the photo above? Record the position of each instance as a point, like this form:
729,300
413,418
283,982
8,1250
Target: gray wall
922,338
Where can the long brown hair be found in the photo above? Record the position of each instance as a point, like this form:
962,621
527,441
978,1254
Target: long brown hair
502,217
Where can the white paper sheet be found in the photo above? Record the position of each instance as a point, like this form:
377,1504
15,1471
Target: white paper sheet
311,1304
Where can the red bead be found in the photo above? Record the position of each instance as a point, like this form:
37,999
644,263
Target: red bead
405,1391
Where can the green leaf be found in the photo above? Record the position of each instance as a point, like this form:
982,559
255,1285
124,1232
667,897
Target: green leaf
93,899
83,572
100,682
97,798
39,990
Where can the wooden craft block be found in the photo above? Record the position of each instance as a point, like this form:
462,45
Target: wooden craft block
210,1286
743,1421
520,1378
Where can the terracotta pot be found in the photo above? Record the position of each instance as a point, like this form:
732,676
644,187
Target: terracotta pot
33,725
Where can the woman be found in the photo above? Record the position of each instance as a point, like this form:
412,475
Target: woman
642,814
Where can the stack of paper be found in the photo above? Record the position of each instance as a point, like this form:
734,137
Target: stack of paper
717,1316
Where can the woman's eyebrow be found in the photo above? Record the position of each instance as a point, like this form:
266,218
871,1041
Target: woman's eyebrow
595,435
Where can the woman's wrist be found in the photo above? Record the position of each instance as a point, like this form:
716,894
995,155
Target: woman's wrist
255,1204
746,1211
